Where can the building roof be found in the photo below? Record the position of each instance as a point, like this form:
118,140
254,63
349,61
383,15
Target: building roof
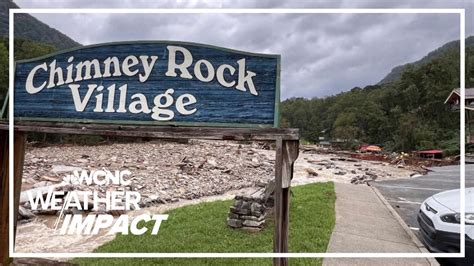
429,152
469,94
373,148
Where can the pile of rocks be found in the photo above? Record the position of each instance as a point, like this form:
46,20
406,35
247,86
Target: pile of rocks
162,172
364,179
250,210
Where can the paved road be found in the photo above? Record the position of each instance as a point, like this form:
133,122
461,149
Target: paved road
406,195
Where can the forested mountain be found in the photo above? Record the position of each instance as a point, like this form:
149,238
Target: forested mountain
30,28
402,115
397,71
23,49
32,38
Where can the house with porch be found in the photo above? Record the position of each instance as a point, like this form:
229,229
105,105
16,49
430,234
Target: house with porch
454,100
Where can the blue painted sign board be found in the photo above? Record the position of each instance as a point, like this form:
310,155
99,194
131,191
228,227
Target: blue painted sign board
150,83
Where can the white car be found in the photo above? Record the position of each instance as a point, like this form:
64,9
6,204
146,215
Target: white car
439,221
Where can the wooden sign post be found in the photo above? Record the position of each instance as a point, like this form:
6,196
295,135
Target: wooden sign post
169,90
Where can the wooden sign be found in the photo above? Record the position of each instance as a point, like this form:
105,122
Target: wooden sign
150,83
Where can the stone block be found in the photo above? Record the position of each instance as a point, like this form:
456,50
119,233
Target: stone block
246,205
251,223
240,211
238,204
233,215
251,229
256,207
253,218
235,223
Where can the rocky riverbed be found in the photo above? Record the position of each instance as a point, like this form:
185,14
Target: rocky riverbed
169,175
162,171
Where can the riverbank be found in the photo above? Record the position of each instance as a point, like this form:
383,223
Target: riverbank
169,175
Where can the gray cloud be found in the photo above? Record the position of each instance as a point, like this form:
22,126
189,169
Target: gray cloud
322,54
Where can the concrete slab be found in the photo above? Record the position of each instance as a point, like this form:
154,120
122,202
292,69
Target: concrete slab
380,230
348,206
373,261
351,243
364,224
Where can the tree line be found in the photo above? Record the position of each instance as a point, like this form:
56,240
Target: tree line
403,115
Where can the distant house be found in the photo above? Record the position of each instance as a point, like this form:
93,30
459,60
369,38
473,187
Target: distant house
429,154
370,148
325,143
454,100
324,135
363,147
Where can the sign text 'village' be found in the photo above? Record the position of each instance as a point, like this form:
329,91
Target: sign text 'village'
149,82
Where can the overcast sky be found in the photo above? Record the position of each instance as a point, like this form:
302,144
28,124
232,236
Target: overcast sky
322,54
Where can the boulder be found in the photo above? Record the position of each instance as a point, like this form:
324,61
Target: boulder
253,223
234,223
24,213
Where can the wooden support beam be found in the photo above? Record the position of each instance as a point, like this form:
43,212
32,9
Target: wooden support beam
4,184
290,154
286,154
278,206
18,161
168,132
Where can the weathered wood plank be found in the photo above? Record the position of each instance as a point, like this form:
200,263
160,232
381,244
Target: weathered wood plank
279,208
4,184
228,86
19,155
285,223
286,154
290,154
269,189
18,161
243,134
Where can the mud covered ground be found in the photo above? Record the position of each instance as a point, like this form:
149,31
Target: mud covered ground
169,175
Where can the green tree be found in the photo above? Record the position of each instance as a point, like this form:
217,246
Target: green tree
3,71
345,127
403,115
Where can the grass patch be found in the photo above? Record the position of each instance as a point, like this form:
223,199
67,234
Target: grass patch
202,228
